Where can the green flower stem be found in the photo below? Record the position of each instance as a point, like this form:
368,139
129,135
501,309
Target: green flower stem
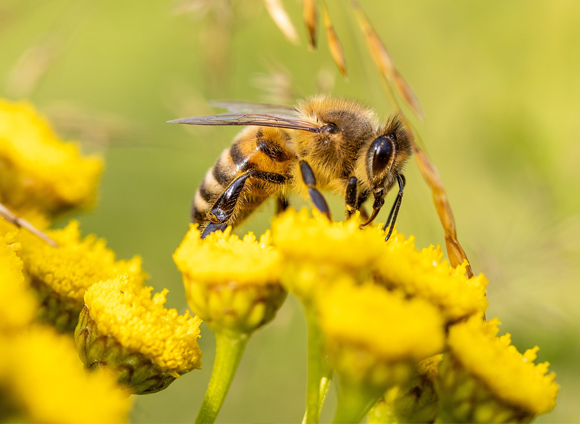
319,371
229,350
354,402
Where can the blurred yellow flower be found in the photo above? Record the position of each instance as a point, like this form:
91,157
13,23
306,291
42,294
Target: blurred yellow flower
425,275
231,284
61,275
506,383
41,380
374,336
17,302
38,171
122,327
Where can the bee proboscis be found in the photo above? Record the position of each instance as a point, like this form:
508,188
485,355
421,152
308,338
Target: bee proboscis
323,143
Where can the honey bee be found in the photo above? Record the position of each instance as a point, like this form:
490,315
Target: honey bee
323,143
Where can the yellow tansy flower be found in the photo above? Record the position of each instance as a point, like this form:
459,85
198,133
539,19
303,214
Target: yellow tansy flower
17,302
231,284
485,379
62,274
39,171
316,249
123,328
425,275
374,336
42,381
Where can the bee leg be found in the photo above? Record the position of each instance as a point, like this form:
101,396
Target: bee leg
377,205
224,206
395,208
351,197
359,206
281,204
315,194
211,227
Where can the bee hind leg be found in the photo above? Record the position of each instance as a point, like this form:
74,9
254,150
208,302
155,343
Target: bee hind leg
315,194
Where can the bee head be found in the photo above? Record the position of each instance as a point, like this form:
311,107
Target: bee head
387,154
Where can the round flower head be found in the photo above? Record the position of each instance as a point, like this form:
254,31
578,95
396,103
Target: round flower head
423,274
232,284
375,337
62,274
316,249
131,333
17,302
41,381
39,171
485,379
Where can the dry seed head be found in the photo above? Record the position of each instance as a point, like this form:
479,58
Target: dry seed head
282,20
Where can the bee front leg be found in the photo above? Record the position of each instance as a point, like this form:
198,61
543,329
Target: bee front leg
315,194
395,208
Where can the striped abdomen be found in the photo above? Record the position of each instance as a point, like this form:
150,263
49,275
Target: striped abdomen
263,151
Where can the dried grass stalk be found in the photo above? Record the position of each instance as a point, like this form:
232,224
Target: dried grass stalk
11,217
333,41
384,62
282,20
310,18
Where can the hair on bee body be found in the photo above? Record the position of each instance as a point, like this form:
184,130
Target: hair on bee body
323,143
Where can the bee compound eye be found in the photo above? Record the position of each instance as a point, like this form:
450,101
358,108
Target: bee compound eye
381,154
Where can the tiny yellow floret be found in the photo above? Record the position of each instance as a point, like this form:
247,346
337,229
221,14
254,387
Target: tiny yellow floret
139,322
41,373
511,376
423,274
38,170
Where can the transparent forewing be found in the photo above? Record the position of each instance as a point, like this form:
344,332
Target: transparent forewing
249,107
256,119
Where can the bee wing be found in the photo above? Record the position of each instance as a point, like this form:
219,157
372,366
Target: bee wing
249,107
256,119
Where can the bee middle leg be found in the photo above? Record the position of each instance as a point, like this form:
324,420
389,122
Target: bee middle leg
281,204
316,196
354,200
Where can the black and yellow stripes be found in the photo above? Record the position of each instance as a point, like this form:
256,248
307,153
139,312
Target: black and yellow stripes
265,154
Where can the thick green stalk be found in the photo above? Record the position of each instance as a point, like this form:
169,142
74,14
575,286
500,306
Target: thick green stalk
354,402
229,351
319,372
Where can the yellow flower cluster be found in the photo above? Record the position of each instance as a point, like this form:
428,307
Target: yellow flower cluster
419,336
76,264
395,331
512,377
38,171
61,275
231,284
125,310
46,383
425,275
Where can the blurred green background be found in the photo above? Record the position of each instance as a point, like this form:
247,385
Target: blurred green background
500,86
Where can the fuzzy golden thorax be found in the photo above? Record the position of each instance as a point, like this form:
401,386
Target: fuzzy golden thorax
333,152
